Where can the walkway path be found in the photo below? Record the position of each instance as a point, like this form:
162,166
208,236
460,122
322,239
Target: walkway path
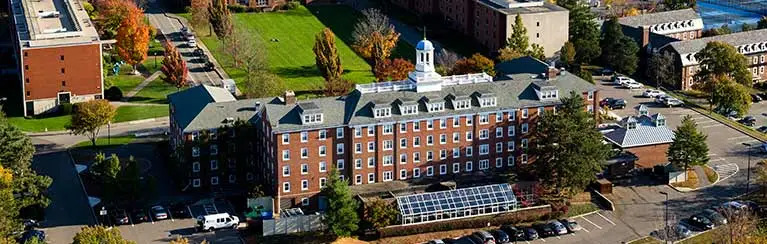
702,178
141,86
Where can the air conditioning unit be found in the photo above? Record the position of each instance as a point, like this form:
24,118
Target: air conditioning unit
48,14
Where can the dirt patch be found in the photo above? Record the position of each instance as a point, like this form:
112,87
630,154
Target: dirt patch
691,182
710,174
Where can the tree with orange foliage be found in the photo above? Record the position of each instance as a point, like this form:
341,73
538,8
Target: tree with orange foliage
200,14
133,38
174,66
374,37
109,14
475,64
396,69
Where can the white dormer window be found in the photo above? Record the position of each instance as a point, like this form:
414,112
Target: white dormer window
409,109
660,122
461,104
436,107
549,94
312,118
487,102
632,125
382,112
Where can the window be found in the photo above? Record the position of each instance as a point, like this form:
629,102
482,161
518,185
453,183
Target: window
403,174
388,129
469,151
323,134
304,185
403,143
388,145
195,152
416,141
214,164
382,112
443,154
388,176
484,164
304,152
430,171
371,146
323,182
304,136
416,172
285,139
340,164
429,140
442,123
443,169
408,109
371,178
196,182
456,121
196,167
63,83
416,125
358,179
285,155
469,166
285,170
456,152
312,118
469,136
498,162
358,148
403,128
524,128
511,161
403,158
357,132
339,133
63,70
323,166
304,169
524,158
340,148
436,107
304,201
456,167
429,156
286,187
499,147
388,160
323,151
487,102
484,134
484,149
498,117
523,144
214,180
371,130
232,178
498,132
371,162
469,120
429,124
358,163
590,96
510,146
484,119
416,157
456,136
524,113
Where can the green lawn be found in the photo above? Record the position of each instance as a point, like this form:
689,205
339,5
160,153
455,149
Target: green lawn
156,92
578,209
292,57
53,123
127,81
102,142
130,113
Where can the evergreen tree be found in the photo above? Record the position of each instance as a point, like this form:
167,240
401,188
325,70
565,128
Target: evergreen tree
536,51
326,55
16,151
518,40
568,148
567,55
618,51
584,31
660,68
220,18
341,215
99,235
130,180
762,24
689,147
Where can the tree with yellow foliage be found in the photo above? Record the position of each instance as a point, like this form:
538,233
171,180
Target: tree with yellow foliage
133,38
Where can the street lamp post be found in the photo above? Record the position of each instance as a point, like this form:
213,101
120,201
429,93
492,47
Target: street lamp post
109,133
748,172
665,218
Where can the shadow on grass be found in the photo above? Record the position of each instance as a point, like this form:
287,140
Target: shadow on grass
297,72
148,100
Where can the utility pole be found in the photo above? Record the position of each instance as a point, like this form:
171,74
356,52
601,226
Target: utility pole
665,218
748,172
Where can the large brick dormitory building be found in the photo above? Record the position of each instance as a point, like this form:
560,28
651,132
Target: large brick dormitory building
425,128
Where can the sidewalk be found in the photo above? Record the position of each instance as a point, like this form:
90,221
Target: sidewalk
141,86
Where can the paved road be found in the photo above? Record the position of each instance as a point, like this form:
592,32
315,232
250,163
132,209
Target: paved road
170,27
60,140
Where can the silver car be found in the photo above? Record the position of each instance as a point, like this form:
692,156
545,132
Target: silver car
558,227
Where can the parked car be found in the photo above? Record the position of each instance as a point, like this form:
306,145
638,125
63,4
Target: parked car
673,102
464,240
620,80
476,240
544,230
531,234
120,217
632,85
616,103
159,212
762,129
748,121
436,241
715,217
32,234
763,148
558,227
179,210
606,72
191,43
516,234
485,237
681,231
652,93
218,221
184,30
756,98
606,101
571,225
661,99
198,52
700,222
209,66
501,237
139,216
30,224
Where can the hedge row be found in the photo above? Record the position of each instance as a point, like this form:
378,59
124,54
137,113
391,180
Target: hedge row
543,213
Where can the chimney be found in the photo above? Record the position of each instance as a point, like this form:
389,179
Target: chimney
552,73
289,97
258,104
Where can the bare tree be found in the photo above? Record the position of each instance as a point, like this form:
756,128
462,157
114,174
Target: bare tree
741,225
245,52
447,59
372,21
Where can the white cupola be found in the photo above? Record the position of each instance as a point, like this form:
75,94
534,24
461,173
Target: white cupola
424,76
424,52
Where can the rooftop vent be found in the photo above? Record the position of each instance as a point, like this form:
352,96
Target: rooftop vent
54,30
48,14
228,120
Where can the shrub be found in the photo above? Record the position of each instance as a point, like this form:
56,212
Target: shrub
113,94
290,5
65,109
236,8
254,9
188,9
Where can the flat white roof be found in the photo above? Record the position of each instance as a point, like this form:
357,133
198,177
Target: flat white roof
41,23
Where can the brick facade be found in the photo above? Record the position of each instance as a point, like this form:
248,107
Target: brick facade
757,63
650,155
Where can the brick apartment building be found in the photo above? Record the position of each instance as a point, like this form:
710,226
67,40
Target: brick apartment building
425,128
657,29
58,54
489,21
645,136
752,44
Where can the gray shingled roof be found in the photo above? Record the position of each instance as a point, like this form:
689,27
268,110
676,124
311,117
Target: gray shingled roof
189,103
547,7
734,39
660,17
646,133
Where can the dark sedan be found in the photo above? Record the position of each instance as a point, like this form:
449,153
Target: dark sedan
701,222
531,234
715,217
139,216
544,230
748,121
516,234
120,217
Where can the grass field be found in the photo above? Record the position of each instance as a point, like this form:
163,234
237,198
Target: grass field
156,92
58,123
578,209
103,142
130,113
291,57
127,81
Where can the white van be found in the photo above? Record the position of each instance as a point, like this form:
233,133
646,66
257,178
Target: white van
217,221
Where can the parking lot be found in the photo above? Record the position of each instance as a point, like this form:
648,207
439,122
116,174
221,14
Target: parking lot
596,228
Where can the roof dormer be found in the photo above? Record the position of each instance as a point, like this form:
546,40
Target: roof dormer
486,99
460,101
659,120
408,106
631,123
433,103
310,113
643,111
381,109
546,90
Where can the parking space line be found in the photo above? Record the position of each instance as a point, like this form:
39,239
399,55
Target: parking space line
190,211
544,240
587,220
587,230
170,215
711,154
600,215
738,137
707,122
709,126
749,141
559,237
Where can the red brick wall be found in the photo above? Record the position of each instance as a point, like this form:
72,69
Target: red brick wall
757,65
651,155
42,68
